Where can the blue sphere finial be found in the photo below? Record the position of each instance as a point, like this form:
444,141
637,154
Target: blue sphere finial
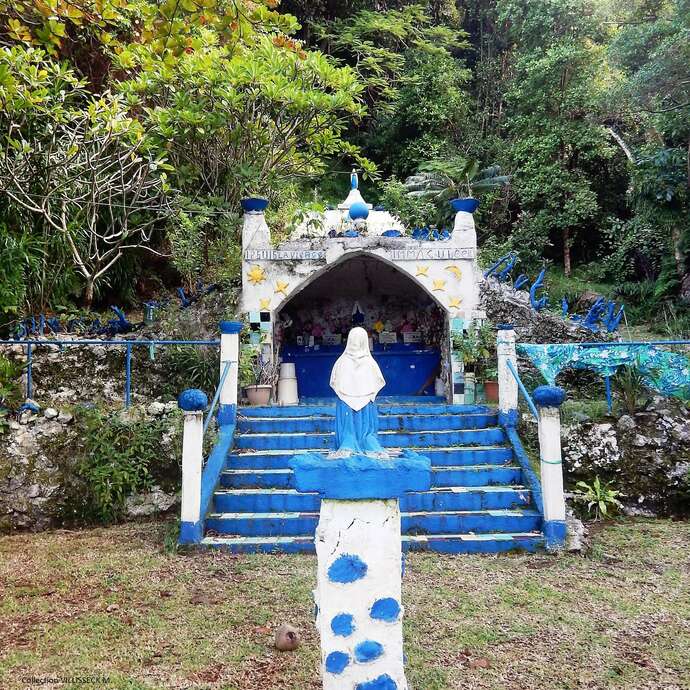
359,211
192,400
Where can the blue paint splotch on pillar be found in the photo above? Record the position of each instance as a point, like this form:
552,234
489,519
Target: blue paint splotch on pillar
384,682
337,662
343,625
387,610
367,651
347,568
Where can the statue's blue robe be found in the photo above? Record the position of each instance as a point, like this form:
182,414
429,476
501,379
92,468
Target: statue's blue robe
357,431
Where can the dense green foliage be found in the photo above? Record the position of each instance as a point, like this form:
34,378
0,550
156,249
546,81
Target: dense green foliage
116,458
129,129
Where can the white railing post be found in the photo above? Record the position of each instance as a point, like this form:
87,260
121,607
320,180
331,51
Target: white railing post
192,402
507,385
549,400
229,352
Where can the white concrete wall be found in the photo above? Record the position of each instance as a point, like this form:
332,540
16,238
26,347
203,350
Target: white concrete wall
446,270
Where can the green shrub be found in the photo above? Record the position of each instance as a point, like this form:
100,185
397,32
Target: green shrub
10,382
191,367
115,458
599,498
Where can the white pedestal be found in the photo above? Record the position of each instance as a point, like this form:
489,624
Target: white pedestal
359,594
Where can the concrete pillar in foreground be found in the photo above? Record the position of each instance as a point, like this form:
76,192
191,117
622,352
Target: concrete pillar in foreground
192,402
507,385
229,352
548,400
358,546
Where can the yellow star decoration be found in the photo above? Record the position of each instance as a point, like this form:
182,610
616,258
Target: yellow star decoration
455,271
256,275
454,302
439,285
265,304
281,287
423,271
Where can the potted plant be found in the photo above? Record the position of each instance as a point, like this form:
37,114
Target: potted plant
456,180
257,375
491,384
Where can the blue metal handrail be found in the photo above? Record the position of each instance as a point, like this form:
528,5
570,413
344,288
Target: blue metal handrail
216,395
523,390
128,345
625,343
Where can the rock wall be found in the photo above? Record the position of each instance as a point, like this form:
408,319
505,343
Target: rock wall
39,457
503,304
646,456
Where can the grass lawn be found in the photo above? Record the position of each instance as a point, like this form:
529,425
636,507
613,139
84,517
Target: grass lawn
110,602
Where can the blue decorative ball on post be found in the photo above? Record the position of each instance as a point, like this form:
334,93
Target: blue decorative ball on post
548,396
359,211
192,400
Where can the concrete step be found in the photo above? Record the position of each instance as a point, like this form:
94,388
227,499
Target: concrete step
439,499
443,543
388,439
468,455
304,524
468,475
390,422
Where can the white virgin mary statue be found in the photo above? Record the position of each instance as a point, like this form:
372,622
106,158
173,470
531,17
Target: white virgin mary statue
356,379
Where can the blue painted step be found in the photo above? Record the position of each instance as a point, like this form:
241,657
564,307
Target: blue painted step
469,475
388,439
407,423
455,498
443,543
304,524
491,455
328,410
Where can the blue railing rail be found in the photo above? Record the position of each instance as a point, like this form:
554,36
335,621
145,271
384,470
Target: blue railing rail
522,389
216,395
685,344
627,343
216,460
127,344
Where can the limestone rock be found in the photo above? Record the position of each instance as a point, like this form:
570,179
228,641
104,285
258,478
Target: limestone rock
287,638
576,538
152,503
50,413
65,417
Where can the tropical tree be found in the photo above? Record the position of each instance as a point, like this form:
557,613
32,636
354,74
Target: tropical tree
556,142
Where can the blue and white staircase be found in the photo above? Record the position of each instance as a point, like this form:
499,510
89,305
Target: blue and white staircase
479,501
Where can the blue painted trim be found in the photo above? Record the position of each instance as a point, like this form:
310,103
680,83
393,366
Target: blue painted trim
548,396
215,465
118,343
216,395
227,415
555,532
128,375
347,568
191,532
509,418
367,651
523,390
361,477
230,327
29,371
192,400
530,477
505,327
